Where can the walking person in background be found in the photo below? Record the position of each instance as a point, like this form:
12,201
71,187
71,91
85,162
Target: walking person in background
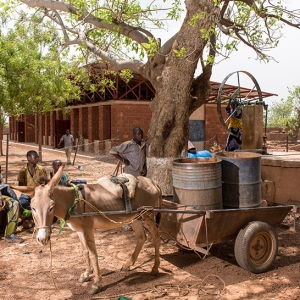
68,144
132,154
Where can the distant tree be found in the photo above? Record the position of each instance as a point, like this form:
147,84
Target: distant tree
286,113
35,78
280,113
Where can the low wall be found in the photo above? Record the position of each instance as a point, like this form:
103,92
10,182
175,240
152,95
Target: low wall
280,175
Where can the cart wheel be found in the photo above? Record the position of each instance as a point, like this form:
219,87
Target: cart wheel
256,247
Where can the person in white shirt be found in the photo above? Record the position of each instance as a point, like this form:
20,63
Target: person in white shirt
68,144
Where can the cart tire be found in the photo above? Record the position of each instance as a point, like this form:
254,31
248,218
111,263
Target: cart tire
256,247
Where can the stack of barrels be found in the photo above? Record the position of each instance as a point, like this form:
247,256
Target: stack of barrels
229,180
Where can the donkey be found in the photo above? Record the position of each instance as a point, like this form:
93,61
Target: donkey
51,200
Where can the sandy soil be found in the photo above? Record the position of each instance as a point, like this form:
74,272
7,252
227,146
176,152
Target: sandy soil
29,271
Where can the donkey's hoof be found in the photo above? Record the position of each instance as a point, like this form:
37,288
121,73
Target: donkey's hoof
83,279
94,290
125,269
154,272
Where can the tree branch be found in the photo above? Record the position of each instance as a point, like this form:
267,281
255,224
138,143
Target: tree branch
115,65
125,29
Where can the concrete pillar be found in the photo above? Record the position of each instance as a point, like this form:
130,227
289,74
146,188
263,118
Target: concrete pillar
253,127
96,146
107,146
86,145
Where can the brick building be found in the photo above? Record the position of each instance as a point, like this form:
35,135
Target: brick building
104,116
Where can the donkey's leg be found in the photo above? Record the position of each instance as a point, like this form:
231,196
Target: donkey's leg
150,224
140,235
88,240
85,276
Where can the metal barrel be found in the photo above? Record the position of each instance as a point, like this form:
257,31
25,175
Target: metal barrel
197,183
241,179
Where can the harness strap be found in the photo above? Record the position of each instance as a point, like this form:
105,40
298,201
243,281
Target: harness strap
121,181
67,217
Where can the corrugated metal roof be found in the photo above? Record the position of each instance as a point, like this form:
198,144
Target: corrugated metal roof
229,89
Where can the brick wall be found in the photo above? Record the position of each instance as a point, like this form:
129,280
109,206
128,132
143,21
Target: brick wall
30,132
74,123
93,128
104,122
213,125
125,116
83,121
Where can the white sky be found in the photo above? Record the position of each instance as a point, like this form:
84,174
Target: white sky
273,77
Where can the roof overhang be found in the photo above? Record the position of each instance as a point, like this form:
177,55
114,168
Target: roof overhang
229,89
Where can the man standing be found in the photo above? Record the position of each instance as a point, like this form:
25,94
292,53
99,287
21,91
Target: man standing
132,154
68,144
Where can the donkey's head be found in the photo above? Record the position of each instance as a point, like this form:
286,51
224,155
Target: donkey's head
42,206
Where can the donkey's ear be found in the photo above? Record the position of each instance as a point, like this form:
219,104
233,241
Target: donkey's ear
56,178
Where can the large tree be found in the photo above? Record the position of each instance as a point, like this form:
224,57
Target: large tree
34,78
106,28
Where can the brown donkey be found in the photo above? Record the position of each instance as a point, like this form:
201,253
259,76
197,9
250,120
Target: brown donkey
51,200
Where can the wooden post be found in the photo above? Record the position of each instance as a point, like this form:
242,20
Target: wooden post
253,126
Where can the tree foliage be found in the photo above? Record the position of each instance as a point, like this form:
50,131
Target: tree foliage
112,30
286,112
34,77
35,80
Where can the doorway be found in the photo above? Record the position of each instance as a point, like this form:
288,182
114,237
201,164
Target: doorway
60,129
21,132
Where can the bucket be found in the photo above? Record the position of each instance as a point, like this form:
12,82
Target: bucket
197,183
241,179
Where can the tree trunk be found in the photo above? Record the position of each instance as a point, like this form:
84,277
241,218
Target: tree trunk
173,103
39,134
1,131
1,139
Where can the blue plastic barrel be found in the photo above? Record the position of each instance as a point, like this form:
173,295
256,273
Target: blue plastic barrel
197,183
203,153
241,179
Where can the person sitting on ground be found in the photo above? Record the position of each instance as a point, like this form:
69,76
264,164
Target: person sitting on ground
9,206
132,154
64,180
29,175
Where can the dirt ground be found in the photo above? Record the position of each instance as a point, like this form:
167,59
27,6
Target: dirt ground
29,271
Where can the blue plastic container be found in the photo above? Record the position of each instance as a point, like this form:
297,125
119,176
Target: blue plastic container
199,154
79,181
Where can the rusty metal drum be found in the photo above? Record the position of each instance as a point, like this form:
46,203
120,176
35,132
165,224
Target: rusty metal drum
197,183
241,179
